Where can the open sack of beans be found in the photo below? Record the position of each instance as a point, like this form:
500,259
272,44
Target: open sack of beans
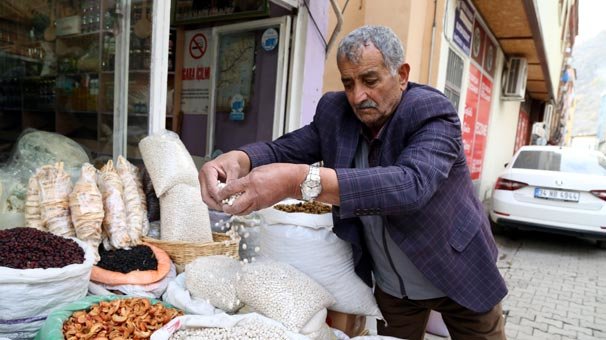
300,234
224,326
39,272
107,317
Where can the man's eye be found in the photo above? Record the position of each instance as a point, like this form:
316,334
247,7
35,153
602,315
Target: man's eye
347,86
370,81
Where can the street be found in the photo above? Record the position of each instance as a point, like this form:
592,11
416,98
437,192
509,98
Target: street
555,291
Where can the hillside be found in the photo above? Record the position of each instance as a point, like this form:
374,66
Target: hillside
589,59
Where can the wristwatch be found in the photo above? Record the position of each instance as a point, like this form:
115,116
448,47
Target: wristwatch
311,186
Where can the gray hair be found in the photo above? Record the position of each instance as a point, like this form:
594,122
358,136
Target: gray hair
383,38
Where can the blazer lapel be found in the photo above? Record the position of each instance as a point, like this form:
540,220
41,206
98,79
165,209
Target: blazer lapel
347,141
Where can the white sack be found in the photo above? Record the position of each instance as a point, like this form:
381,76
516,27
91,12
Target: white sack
306,242
27,296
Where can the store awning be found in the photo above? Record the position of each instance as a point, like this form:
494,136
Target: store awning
515,25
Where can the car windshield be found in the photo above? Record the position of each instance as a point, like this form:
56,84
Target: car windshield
575,162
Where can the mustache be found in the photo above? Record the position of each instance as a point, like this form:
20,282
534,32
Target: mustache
367,104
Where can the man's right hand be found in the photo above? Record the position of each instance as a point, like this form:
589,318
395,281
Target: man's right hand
228,166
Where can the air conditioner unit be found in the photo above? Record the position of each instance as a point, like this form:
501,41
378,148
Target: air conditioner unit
515,79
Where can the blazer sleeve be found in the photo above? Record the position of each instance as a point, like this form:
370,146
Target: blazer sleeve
422,164
300,146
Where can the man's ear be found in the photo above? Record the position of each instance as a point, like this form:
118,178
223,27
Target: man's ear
403,72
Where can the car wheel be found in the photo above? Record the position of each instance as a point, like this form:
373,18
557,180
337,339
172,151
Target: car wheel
497,229
601,244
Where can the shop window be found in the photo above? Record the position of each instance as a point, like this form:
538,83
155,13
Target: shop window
57,71
454,78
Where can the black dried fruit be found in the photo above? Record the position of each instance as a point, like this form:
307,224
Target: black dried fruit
126,260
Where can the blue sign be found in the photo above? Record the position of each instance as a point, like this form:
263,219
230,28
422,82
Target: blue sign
462,31
269,40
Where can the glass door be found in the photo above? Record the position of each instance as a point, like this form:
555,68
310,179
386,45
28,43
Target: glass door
248,77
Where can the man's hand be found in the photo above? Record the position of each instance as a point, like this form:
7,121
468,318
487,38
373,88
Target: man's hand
227,167
263,187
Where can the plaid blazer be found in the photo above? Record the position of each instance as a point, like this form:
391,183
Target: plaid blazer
422,188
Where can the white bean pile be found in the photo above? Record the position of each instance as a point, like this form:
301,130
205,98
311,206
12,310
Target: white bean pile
213,278
252,329
281,292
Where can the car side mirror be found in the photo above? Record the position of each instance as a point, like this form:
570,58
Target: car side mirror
505,165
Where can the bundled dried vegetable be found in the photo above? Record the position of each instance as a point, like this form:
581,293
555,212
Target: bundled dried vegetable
86,206
55,186
132,200
33,219
114,222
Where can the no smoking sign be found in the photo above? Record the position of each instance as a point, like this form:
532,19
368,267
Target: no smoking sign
197,46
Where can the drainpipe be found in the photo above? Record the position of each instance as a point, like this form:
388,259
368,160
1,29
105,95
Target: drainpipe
333,36
431,46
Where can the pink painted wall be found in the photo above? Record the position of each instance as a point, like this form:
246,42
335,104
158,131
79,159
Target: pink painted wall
314,59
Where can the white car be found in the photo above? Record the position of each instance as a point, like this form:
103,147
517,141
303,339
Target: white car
553,189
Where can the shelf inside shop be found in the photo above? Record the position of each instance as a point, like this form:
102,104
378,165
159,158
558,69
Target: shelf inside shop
94,34
20,57
84,112
10,108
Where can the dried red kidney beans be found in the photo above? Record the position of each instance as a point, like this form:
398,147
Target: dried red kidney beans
29,248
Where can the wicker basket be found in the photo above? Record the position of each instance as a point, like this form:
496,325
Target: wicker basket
183,253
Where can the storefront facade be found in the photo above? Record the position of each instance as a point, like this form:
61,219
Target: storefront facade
473,51
219,75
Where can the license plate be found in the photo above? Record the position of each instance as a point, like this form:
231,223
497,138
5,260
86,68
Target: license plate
560,195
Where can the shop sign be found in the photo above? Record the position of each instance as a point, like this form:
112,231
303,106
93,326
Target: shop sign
481,128
463,26
269,40
521,131
475,120
195,97
470,113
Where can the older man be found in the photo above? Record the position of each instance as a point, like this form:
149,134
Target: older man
395,172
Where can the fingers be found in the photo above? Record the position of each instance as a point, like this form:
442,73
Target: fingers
208,178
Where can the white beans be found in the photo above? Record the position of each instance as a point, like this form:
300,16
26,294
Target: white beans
281,292
250,329
213,278
184,216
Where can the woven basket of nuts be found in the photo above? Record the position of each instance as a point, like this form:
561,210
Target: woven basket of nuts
183,253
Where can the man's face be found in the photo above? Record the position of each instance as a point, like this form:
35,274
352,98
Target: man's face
372,91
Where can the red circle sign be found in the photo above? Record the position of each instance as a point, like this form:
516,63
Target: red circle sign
197,46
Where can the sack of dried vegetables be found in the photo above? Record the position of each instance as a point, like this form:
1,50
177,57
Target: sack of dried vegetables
86,206
114,221
55,187
132,200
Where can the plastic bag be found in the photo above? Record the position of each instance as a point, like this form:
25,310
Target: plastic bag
213,278
283,293
184,216
177,295
29,295
306,242
86,206
168,161
33,150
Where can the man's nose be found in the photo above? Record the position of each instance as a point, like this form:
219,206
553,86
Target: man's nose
360,94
